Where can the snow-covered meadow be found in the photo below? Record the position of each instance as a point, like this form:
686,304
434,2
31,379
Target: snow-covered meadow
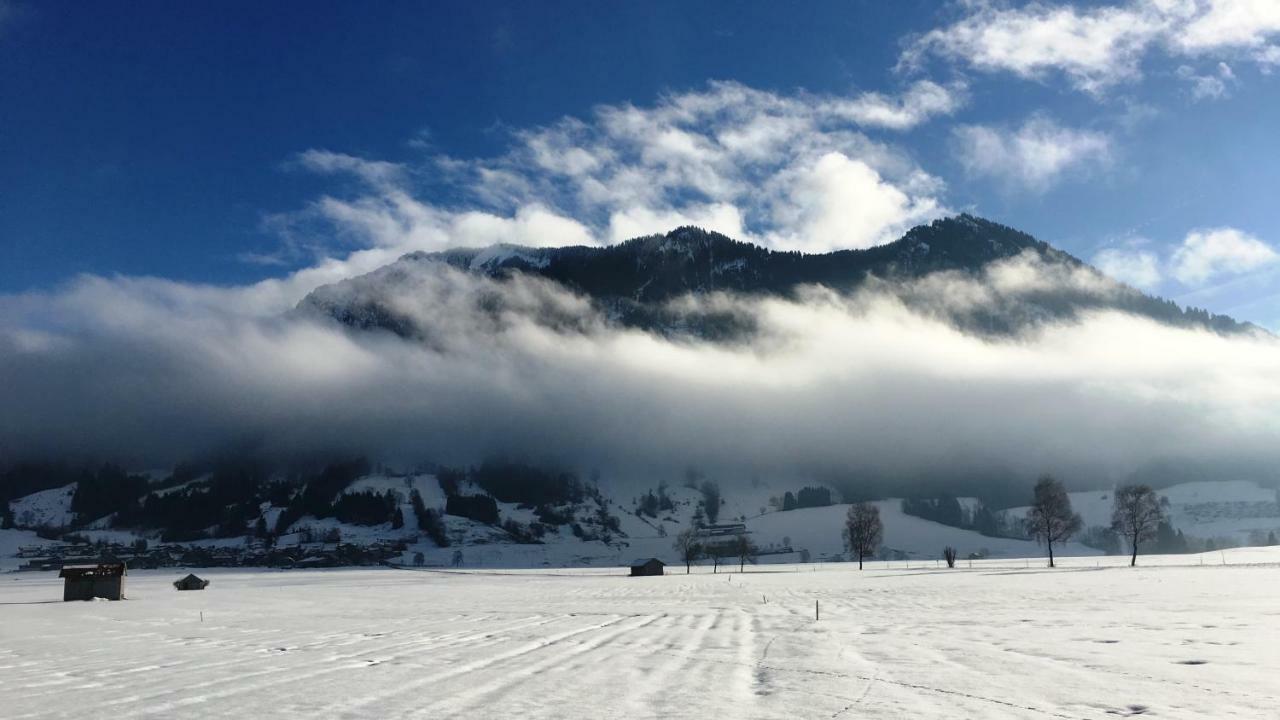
1178,637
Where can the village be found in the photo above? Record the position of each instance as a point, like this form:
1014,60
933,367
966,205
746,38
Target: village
141,555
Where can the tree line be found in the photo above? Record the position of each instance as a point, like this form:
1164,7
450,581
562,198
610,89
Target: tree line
1137,516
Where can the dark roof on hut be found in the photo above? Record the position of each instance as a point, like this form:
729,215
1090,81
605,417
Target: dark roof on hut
101,570
645,561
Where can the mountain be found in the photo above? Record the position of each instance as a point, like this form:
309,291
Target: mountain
257,508
634,282
516,515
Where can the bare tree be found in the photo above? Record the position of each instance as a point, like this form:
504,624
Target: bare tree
863,530
688,548
949,554
745,550
1051,519
1136,514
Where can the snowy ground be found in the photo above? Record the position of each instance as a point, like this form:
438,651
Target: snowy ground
1004,639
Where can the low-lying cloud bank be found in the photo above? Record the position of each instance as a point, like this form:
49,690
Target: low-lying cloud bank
863,386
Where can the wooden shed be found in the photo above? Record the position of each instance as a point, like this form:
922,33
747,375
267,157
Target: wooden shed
191,582
647,566
86,582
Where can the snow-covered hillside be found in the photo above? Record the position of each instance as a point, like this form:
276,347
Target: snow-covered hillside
817,531
567,537
995,641
48,508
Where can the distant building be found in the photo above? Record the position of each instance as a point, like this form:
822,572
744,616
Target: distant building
721,539
41,564
191,582
723,530
647,566
86,582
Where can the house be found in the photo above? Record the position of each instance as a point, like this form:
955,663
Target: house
723,529
86,582
191,582
721,539
647,566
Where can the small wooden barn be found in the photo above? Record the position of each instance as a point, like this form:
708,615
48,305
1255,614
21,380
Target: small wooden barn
86,582
647,566
191,582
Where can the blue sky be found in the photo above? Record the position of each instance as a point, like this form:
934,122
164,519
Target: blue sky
236,143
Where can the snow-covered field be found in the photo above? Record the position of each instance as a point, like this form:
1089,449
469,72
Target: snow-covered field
1005,639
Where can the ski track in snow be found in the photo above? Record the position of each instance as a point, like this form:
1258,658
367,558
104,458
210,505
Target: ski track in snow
1165,641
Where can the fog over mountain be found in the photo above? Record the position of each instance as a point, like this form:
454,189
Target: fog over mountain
964,353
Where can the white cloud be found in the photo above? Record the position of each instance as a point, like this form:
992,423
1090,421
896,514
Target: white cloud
374,172
922,101
532,225
1139,268
1222,24
1032,157
1209,254
840,202
1202,257
1093,48
1208,87
1268,58
1096,47
791,171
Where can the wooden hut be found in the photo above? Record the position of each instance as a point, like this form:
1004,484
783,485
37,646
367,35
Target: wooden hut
86,582
647,566
191,582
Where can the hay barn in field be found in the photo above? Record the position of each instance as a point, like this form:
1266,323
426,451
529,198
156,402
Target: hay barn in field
86,582
647,566
191,582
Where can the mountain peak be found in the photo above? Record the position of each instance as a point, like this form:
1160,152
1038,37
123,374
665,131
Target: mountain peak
970,242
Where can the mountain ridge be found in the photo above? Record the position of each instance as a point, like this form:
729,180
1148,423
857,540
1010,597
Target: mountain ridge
634,281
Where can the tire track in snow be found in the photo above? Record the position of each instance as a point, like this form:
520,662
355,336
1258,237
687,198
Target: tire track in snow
681,639
469,703
175,685
352,709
